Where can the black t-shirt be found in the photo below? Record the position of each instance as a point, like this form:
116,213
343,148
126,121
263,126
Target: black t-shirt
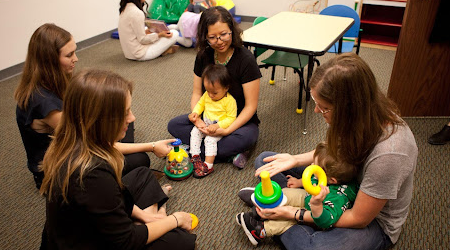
97,215
41,103
242,68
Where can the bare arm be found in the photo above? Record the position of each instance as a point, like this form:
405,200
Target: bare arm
48,123
196,91
282,162
160,149
158,228
365,209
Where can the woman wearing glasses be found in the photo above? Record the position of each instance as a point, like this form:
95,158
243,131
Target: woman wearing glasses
365,130
219,42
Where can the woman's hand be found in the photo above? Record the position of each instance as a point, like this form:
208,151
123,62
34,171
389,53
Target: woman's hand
278,213
166,34
212,128
184,220
162,148
193,117
294,182
277,164
219,132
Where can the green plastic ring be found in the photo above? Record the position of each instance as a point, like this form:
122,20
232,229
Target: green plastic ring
270,199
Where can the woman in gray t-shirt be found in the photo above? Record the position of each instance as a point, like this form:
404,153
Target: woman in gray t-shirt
365,129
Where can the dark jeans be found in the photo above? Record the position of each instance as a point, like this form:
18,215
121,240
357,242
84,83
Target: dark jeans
306,237
239,141
146,191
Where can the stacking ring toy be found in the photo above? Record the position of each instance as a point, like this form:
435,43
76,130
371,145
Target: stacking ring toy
306,179
194,221
268,199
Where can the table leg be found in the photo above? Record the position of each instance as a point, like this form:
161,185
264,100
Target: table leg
307,94
340,45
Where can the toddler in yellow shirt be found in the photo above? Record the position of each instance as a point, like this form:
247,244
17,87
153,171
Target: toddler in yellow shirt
219,111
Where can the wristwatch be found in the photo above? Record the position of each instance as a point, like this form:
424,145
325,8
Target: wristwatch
302,213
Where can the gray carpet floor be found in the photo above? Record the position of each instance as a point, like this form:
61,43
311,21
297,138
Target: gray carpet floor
162,91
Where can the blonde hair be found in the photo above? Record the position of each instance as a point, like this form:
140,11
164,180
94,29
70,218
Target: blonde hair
42,67
361,112
93,116
341,171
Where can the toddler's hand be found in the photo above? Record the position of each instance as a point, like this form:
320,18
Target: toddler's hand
294,182
212,128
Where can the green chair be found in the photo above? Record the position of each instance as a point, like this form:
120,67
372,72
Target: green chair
286,59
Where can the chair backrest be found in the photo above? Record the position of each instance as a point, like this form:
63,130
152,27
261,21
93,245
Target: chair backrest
344,11
259,51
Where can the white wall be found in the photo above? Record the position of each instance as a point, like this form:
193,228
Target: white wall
20,18
269,8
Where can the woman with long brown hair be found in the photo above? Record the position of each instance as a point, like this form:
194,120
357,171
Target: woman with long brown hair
89,204
365,130
49,65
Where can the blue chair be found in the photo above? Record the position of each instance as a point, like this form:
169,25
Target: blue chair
353,32
287,60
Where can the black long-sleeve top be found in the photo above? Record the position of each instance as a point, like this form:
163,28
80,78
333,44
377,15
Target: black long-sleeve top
98,215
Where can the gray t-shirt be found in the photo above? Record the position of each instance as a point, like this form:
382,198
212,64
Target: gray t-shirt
388,173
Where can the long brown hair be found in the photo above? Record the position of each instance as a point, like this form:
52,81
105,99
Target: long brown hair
210,17
361,112
42,67
92,118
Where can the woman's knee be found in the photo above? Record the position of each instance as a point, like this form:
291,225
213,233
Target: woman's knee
136,160
259,160
177,239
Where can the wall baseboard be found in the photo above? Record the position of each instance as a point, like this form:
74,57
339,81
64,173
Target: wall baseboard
17,69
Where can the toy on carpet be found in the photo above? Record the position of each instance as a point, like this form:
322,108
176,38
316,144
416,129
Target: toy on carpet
268,194
306,179
178,166
194,221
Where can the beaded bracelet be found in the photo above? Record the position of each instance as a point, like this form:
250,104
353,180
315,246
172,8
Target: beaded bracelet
175,219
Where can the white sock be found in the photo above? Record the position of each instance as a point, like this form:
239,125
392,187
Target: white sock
210,165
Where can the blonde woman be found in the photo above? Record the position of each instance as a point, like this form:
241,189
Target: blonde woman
89,204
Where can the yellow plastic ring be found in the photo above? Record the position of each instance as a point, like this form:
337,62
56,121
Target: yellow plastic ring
306,179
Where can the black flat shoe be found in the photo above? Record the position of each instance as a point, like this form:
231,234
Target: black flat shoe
440,138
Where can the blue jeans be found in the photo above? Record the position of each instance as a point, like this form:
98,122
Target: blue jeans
241,140
306,237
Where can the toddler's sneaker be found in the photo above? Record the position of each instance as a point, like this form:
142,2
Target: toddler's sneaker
200,168
254,229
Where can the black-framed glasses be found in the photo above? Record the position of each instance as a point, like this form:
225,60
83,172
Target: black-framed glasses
223,37
318,107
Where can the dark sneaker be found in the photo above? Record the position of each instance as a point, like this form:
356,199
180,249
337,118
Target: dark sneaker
253,213
240,160
440,138
201,169
254,229
245,194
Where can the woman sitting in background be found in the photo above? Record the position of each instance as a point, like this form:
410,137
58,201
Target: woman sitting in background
89,204
137,43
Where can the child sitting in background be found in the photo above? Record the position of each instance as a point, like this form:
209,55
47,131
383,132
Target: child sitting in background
325,209
198,6
219,111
